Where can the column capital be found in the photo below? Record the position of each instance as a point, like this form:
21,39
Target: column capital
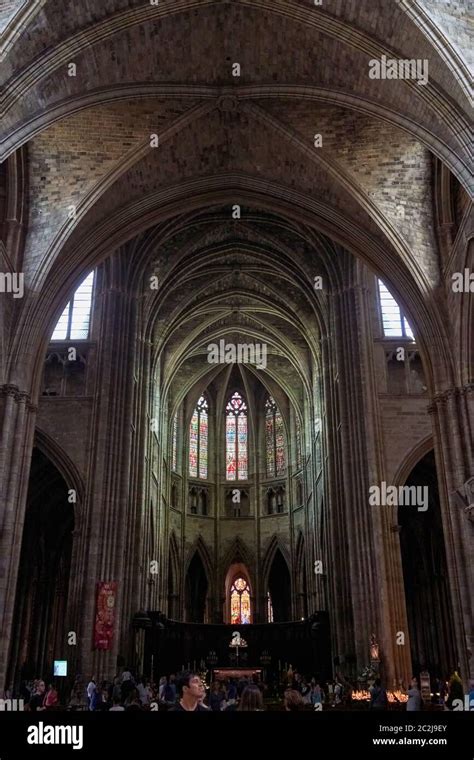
441,399
8,389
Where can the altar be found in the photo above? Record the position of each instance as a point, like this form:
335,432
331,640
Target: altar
220,674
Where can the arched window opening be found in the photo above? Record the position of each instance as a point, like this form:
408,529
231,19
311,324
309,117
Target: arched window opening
274,439
236,438
74,322
269,608
174,444
240,611
299,450
198,440
395,324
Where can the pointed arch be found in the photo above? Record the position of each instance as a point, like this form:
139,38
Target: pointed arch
274,545
238,561
238,552
425,574
174,580
41,617
277,580
64,464
198,588
411,459
199,546
301,585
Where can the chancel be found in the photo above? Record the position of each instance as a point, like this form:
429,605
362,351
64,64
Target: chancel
237,351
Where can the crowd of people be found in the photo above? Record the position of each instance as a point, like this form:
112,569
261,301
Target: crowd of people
188,691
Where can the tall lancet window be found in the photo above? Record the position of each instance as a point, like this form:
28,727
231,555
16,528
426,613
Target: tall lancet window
395,324
174,444
269,608
198,438
274,439
240,611
74,322
236,433
299,450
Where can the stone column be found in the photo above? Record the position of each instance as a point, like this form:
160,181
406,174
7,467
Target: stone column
453,423
104,549
356,421
365,534
17,423
335,560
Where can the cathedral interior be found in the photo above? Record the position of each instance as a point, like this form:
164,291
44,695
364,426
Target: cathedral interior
235,302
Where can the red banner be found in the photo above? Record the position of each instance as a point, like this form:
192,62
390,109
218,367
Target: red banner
105,615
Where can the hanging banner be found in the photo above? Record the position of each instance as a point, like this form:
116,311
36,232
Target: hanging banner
105,615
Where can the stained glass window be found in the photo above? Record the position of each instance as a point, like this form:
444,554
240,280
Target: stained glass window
174,443
299,453
240,611
269,608
395,325
198,439
274,439
74,322
236,432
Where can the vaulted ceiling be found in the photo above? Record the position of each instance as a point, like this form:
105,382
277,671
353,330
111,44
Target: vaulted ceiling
247,280
87,89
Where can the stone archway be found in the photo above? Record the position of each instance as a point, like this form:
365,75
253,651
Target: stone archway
39,633
196,591
425,575
279,586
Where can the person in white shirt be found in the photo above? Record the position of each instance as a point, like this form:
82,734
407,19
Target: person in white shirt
142,692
